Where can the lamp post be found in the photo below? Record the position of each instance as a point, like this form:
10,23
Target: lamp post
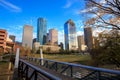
41,55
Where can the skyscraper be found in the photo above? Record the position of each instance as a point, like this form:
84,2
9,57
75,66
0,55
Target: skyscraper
27,36
41,30
53,36
88,37
80,42
70,35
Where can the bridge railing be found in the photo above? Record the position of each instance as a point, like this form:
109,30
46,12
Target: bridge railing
78,71
27,71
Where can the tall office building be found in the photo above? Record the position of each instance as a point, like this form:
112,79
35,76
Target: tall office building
12,37
47,38
53,36
88,37
27,36
41,30
81,43
70,35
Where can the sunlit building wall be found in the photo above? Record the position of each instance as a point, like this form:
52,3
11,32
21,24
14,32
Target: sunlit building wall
70,35
81,43
53,36
3,38
27,36
88,37
41,30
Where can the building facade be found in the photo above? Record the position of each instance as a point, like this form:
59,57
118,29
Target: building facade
41,30
3,38
81,43
27,36
70,35
6,44
88,37
53,36
12,37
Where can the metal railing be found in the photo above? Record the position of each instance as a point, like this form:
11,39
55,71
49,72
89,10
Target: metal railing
78,71
27,71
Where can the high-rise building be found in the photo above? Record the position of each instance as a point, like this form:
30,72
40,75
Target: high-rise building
81,43
70,35
88,37
27,36
53,36
61,45
41,30
3,38
12,37
47,38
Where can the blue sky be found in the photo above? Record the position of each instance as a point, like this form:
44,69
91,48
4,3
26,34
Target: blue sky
14,14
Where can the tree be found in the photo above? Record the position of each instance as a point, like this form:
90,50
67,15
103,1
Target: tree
106,13
109,51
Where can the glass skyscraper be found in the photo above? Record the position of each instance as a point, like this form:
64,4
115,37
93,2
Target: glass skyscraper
41,30
70,35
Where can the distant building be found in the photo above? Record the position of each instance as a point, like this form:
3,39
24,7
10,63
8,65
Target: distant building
3,38
12,37
88,37
70,35
53,36
47,38
41,30
34,40
81,43
36,46
51,48
18,43
27,36
61,45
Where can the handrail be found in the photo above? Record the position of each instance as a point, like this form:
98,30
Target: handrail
86,67
46,74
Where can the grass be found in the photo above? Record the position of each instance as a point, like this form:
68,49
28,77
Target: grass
72,58
3,67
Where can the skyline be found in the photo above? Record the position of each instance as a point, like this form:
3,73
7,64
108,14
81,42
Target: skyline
15,14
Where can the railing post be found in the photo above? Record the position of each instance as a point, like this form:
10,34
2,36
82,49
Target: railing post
71,71
26,75
41,55
15,75
56,66
98,75
35,75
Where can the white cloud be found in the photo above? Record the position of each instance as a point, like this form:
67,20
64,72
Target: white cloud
9,6
34,35
79,24
61,36
68,4
80,33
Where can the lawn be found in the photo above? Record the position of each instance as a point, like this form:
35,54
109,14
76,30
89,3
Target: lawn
72,58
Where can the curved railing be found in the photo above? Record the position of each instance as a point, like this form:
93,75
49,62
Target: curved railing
28,71
78,71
